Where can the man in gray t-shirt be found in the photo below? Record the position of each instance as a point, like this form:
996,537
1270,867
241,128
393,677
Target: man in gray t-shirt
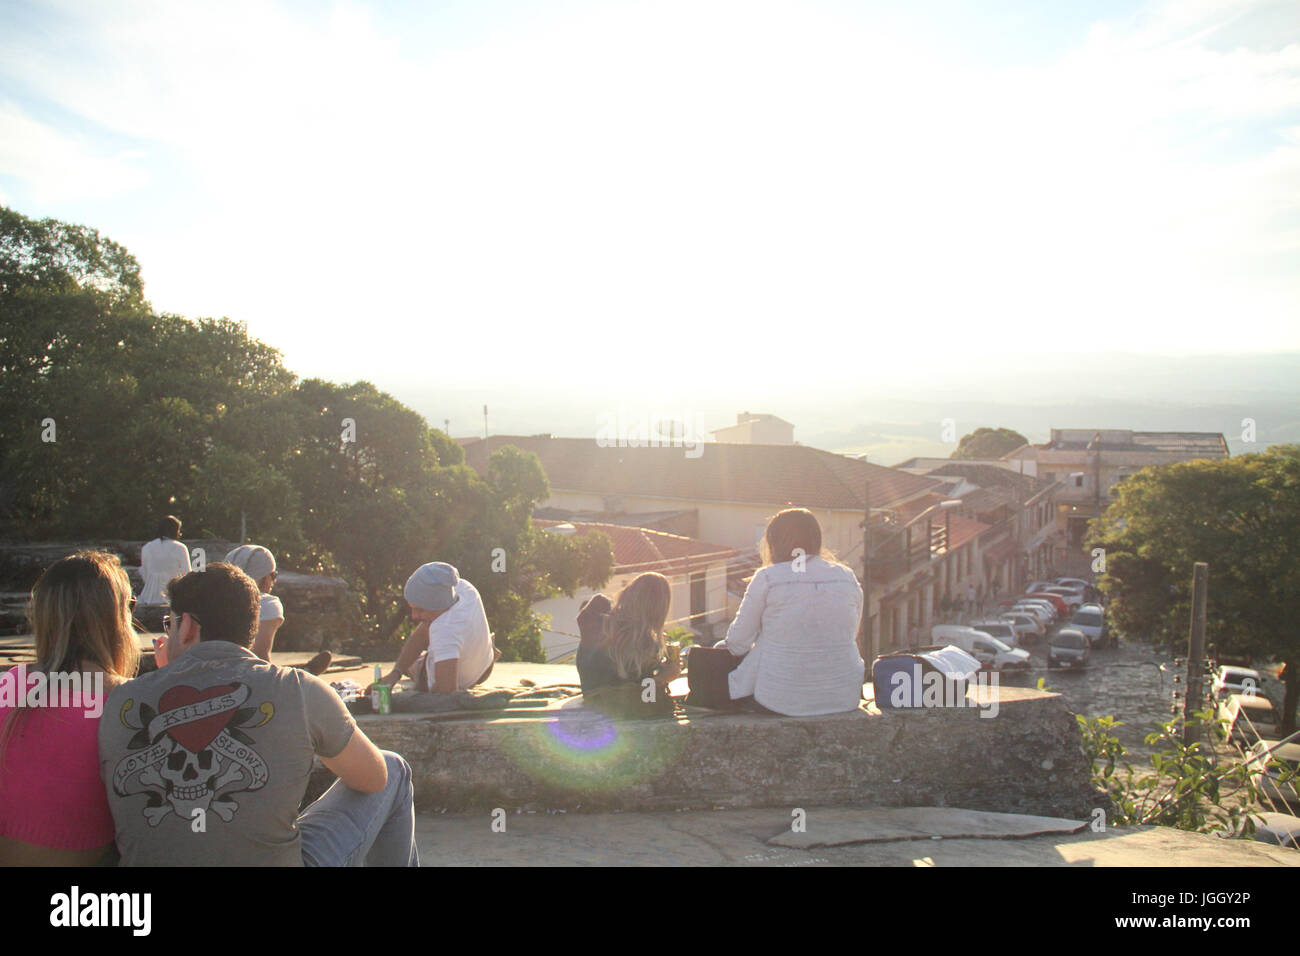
207,759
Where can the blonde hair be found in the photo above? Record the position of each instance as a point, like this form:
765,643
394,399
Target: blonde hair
635,628
793,528
80,615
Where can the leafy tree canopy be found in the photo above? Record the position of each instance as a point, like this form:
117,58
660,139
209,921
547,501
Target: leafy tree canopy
988,443
1242,517
160,414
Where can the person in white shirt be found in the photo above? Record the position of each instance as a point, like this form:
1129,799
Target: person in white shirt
451,647
259,564
162,559
797,625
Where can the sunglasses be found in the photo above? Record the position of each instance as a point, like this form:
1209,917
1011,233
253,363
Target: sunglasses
167,620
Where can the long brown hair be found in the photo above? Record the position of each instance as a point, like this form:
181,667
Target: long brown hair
635,628
790,529
80,616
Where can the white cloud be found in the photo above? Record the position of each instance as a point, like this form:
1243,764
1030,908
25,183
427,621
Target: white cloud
697,186
58,167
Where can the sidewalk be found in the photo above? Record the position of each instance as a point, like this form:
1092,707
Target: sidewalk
763,837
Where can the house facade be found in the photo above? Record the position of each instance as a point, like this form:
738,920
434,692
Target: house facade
1088,462
734,489
696,572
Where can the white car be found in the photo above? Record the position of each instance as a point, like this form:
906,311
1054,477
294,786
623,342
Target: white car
1073,583
1038,586
1091,620
1002,630
1236,680
1042,612
1027,626
988,650
1277,781
1249,717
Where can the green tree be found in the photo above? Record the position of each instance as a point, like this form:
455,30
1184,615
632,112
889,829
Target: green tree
988,443
160,414
1242,517
512,562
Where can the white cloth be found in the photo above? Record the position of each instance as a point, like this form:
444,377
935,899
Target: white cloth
461,632
272,609
802,626
161,560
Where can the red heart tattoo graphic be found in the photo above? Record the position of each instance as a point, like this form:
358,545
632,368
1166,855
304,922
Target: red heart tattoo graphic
194,735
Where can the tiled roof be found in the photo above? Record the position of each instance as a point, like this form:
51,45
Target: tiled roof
642,549
991,476
961,530
1000,551
984,500
640,519
775,476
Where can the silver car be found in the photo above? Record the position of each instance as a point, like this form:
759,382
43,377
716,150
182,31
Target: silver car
1091,620
1002,630
1068,648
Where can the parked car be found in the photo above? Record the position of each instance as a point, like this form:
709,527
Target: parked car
1062,609
992,653
1091,620
1027,626
1073,599
1076,583
1068,648
1249,717
1002,630
1038,585
1236,680
1045,613
1275,774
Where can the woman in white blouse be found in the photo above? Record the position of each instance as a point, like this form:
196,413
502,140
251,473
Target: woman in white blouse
797,625
162,559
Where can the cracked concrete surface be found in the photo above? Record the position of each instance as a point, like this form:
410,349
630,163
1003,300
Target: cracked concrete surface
741,838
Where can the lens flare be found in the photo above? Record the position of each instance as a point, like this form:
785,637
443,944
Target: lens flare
585,752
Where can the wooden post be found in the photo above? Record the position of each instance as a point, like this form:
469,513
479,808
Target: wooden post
1195,649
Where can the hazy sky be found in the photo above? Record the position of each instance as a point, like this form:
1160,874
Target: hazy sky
673,192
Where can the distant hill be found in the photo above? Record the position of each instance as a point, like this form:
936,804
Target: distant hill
894,420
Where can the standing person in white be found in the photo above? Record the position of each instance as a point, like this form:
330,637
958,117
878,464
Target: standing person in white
798,625
162,559
450,648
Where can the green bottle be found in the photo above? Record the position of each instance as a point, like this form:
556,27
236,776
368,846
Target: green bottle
381,695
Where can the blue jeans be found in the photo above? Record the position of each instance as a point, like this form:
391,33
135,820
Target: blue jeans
348,828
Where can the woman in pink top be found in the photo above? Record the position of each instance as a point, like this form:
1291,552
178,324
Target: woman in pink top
53,807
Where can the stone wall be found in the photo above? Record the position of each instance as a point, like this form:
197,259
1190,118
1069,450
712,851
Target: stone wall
1027,759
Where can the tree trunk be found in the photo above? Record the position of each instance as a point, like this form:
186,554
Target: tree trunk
1292,682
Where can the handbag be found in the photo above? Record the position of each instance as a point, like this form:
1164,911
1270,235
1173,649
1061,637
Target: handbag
706,677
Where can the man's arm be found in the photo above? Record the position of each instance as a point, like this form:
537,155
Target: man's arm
266,637
446,675
359,765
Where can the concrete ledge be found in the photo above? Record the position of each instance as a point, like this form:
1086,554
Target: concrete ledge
1027,759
